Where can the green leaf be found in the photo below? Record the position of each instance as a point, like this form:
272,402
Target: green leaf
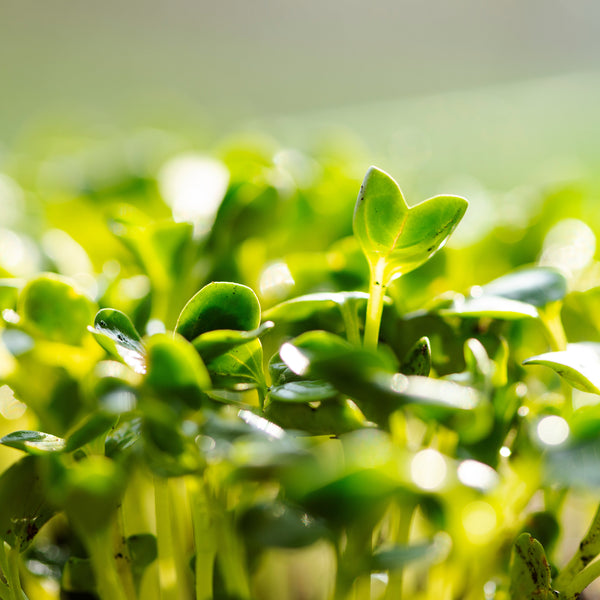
529,570
33,442
402,237
303,307
91,494
304,391
241,365
93,426
579,365
78,575
397,557
143,551
279,525
24,505
533,285
418,359
115,332
175,371
213,343
51,306
219,305
492,307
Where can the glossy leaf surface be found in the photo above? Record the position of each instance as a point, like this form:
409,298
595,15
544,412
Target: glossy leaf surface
34,442
387,229
579,365
219,305
115,332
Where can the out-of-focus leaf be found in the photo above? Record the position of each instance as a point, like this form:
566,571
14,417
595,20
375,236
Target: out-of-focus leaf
493,307
175,370
279,525
418,359
51,306
34,442
532,285
24,504
115,332
398,557
143,551
579,365
78,575
387,229
94,425
303,391
213,343
303,307
219,305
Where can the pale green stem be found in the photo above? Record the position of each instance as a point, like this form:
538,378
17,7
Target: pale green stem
203,539
377,287
14,578
105,569
3,559
401,537
581,581
348,310
550,318
167,569
588,549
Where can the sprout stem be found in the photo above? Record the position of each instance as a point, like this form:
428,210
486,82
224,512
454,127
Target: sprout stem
167,570
14,578
377,287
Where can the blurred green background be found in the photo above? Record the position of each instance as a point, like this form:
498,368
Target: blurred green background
506,92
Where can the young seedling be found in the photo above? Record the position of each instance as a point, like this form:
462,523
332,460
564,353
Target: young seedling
396,238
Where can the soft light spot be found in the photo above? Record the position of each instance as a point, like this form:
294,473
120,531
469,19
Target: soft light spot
477,475
155,326
398,382
276,281
261,424
553,430
134,288
10,407
479,520
505,452
12,200
194,186
523,411
569,246
18,254
428,469
489,589
294,359
70,258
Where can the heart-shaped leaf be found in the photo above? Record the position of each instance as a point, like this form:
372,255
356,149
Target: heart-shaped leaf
219,305
400,237
579,365
33,442
115,332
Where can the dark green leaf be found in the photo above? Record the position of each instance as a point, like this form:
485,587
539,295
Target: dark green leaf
418,359
24,505
279,525
219,305
33,442
78,575
115,332
213,343
242,364
175,370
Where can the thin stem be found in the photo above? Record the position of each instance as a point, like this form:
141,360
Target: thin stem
105,568
14,578
401,537
377,287
588,549
581,581
167,570
348,310
553,327
203,539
